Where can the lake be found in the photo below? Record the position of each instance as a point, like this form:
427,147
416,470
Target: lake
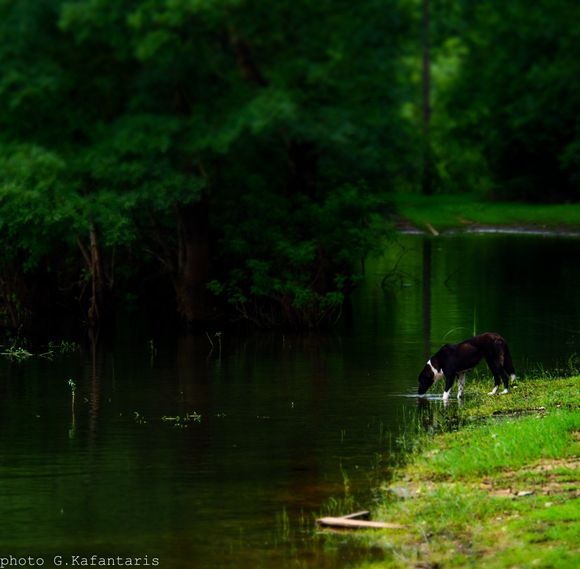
273,428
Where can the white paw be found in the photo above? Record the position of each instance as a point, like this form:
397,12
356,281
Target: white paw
505,391
493,391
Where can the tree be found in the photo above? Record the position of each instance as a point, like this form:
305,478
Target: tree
516,97
173,113
426,175
271,113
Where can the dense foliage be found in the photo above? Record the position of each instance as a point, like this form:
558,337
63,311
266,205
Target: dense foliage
514,103
239,153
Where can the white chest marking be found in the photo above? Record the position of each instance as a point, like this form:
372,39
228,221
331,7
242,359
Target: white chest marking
437,374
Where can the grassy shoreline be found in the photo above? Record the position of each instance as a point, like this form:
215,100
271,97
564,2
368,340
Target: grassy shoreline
467,211
499,491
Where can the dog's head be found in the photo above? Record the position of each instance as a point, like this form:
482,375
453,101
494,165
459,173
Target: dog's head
433,370
426,379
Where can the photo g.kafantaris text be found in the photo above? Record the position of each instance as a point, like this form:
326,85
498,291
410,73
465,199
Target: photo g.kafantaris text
79,561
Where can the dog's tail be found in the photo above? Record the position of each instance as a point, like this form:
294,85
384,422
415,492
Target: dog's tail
508,364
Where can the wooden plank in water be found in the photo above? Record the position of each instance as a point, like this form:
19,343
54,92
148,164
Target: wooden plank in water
348,523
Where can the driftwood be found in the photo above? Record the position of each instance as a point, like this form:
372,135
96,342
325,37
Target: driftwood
363,515
432,230
356,521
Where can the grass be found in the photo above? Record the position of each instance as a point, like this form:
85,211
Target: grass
453,211
527,396
509,444
499,491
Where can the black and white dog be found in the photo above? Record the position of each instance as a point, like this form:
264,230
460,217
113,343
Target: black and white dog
454,360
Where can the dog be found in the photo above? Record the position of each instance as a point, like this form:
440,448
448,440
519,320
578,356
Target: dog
455,360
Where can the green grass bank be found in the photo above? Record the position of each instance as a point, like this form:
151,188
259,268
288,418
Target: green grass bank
495,487
469,210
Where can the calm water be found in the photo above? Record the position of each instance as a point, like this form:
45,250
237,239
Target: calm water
288,423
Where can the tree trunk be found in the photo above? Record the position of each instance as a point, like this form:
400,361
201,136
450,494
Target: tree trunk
192,271
99,286
245,59
426,173
12,291
302,156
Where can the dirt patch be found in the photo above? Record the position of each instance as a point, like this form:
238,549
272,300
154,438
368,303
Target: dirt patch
519,412
513,484
572,462
541,478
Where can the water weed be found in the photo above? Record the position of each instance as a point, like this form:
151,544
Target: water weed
63,346
139,418
19,353
182,422
16,353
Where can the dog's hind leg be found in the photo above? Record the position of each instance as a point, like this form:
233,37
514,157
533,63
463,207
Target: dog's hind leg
496,369
508,365
506,381
505,366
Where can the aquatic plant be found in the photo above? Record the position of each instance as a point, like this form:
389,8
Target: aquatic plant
152,352
63,346
218,337
19,353
16,353
283,524
182,422
73,388
139,419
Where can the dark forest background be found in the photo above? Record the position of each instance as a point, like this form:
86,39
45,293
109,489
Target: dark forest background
237,158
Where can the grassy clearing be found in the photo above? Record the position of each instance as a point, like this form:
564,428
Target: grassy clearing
500,491
452,211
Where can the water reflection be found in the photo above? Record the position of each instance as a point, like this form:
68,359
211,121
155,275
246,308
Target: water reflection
434,416
449,288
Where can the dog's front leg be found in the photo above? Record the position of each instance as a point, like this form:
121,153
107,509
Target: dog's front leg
461,382
449,378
